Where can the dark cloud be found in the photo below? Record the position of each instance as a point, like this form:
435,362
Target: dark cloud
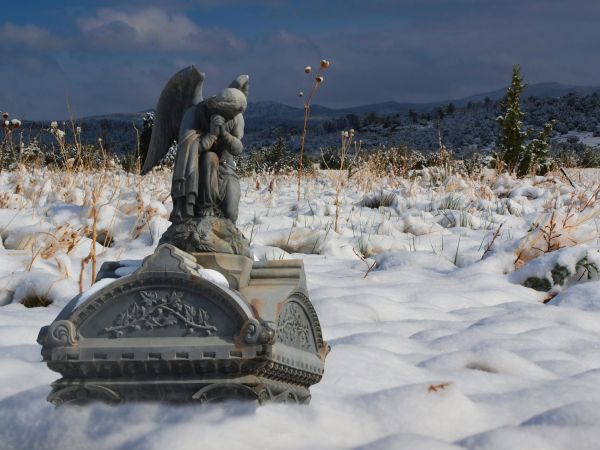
118,58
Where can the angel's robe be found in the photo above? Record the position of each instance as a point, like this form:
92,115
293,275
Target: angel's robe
204,179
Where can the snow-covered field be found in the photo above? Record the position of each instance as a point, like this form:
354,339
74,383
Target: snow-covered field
585,137
439,346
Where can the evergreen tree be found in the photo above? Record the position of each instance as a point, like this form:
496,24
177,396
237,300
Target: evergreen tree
353,121
487,101
512,138
414,116
535,160
518,155
440,113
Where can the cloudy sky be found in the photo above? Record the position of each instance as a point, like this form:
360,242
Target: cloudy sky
98,57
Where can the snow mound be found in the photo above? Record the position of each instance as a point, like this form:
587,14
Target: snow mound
573,414
213,276
584,296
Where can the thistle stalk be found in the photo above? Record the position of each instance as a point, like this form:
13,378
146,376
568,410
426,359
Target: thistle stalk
318,81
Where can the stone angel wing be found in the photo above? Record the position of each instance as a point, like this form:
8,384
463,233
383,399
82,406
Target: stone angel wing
183,90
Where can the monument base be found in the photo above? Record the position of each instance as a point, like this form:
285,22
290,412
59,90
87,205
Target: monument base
117,390
165,333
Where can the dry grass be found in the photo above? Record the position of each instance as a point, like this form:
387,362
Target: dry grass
347,155
560,226
133,200
36,301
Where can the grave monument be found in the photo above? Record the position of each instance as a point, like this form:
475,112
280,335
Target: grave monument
169,332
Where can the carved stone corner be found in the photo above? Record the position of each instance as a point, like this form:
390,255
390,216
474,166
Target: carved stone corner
256,332
61,333
235,268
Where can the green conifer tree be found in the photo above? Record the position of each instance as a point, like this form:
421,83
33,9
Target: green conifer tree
535,160
512,138
518,155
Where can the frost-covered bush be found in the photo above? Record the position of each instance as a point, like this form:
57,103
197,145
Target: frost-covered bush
473,165
590,158
273,159
146,134
32,154
555,271
168,160
330,158
378,199
391,160
88,157
8,152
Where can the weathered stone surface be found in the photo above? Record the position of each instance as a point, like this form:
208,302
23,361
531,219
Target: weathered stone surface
235,268
208,234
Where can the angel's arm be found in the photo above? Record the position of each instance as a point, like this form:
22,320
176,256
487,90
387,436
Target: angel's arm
207,141
191,128
234,137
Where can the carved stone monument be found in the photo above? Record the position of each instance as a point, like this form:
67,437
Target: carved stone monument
205,188
170,332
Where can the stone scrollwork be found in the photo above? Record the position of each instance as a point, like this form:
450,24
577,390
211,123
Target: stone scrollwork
293,328
62,333
251,331
256,333
161,310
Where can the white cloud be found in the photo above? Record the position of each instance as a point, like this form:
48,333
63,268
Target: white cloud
30,36
284,38
154,28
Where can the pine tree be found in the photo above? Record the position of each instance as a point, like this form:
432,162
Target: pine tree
512,137
518,155
535,160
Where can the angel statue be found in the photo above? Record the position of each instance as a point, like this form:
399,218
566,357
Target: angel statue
205,188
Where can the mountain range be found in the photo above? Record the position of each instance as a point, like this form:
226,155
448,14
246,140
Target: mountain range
385,123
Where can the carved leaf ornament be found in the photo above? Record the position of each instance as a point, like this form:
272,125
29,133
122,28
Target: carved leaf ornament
161,310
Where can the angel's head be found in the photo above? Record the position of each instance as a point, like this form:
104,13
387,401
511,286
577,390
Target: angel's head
230,101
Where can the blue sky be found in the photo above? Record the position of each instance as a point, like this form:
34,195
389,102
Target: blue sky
114,56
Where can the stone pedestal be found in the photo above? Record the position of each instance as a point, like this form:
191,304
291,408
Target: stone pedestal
209,234
166,333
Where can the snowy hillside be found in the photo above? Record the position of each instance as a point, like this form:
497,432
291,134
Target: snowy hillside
439,339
